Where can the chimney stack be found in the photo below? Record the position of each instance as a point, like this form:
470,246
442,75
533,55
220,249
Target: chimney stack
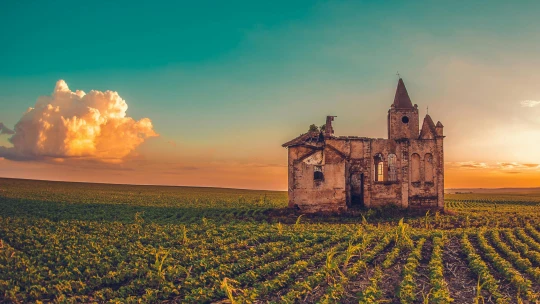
328,129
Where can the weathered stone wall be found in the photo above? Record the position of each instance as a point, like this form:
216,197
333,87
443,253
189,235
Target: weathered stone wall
385,192
397,129
344,160
440,171
310,195
326,195
423,192
295,154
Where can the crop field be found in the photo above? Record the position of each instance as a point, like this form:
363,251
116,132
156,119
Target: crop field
76,242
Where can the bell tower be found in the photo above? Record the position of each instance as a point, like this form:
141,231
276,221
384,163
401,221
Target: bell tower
403,120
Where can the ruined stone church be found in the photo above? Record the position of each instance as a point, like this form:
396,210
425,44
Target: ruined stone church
333,173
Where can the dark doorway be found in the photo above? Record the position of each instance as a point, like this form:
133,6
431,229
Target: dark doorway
357,189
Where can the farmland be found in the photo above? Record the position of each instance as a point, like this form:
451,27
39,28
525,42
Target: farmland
76,242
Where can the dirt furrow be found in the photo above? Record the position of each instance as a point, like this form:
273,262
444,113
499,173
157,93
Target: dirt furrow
462,282
424,286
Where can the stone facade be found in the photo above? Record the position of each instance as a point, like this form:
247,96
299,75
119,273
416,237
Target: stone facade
333,173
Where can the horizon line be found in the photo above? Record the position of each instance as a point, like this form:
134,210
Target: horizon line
216,187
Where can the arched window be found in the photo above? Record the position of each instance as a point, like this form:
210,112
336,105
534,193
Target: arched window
428,167
379,167
415,168
392,170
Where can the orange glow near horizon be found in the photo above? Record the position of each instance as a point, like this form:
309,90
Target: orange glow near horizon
460,178
244,176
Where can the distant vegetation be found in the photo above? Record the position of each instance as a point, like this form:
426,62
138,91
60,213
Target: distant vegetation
315,128
69,242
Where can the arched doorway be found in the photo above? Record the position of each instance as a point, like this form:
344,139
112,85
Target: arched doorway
357,189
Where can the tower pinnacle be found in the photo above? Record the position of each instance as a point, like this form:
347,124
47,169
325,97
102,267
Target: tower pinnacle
402,99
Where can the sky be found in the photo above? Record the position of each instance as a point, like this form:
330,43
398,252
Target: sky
205,92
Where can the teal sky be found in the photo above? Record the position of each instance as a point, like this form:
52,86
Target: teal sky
242,77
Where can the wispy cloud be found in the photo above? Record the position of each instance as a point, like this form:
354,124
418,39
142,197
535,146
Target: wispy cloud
469,164
515,165
530,103
507,167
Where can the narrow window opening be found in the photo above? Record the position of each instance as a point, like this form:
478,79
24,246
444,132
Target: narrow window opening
318,173
392,170
379,168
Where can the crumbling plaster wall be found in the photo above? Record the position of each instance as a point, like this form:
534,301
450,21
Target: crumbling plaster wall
294,154
424,194
311,195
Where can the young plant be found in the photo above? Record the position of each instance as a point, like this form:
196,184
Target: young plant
298,221
350,253
227,286
331,267
279,227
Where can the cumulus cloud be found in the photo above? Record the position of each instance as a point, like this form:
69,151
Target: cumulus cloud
530,103
5,130
69,124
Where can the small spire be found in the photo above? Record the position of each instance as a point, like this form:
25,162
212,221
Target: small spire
439,128
428,130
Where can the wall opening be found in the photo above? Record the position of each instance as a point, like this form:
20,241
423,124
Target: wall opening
392,170
318,173
357,189
405,119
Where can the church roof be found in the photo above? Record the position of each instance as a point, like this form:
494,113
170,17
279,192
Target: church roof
312,136
402,99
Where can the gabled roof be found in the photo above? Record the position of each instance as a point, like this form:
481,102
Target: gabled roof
312,136
428,128
402,99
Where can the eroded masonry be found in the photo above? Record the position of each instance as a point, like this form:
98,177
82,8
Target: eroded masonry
333,173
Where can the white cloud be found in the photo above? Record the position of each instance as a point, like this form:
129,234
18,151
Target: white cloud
530,103
75,124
